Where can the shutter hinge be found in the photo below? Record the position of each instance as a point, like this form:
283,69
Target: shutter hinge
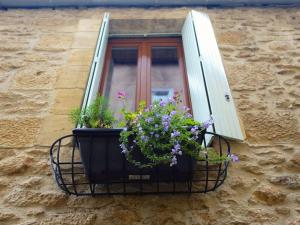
227,97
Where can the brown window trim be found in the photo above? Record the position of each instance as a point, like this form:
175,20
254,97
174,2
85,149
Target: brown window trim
144,46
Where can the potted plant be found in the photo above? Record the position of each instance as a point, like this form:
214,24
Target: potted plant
95,135
157,143
162,141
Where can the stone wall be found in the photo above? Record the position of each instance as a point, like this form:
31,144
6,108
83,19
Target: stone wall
44,63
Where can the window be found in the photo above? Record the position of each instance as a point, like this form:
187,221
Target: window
147,70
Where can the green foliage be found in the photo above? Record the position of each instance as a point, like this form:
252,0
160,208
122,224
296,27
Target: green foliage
161,133
96,115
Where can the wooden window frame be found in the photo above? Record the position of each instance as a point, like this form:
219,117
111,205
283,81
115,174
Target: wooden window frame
143,81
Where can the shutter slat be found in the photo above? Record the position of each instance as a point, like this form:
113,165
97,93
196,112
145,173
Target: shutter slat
219,99
92,87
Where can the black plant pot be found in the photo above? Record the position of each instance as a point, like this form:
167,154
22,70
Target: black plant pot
104,163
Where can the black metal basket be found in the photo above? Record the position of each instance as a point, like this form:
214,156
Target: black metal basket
113,175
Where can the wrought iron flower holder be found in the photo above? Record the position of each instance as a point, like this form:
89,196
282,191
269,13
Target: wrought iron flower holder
103,171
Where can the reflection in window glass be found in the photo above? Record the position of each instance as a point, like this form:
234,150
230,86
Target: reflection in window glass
122,77
166,76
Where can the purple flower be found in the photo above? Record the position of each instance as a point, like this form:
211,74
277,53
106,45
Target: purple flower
176,150
156,135
193,130
156,125
186,108
124,149
149,120
144,138
162,103
177,147
175,134
166,128
174,161
234,158
166,124
173,113
188,115
208,123
172,101
166,118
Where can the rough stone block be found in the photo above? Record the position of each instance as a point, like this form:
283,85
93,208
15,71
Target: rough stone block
283,210
279,126
14,165
54,42
34,78
53,127
8,217
60,28
11,64
5,153
19,132
231,37
23,102
89,24
9,46
77,217
81,57
271,160
21,197
4,182
72,77
252,168
35,212
3,76
259,216
85,40
294,162
269,195
66,100
11,42
291,182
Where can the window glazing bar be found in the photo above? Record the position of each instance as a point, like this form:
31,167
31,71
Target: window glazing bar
145,35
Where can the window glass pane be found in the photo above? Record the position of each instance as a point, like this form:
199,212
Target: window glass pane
166,76
122,77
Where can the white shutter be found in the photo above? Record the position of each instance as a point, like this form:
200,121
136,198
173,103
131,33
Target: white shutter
209,89
92,87
193,63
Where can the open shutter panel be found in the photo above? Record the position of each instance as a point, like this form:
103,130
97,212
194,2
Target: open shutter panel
209,89
201,111
92,87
